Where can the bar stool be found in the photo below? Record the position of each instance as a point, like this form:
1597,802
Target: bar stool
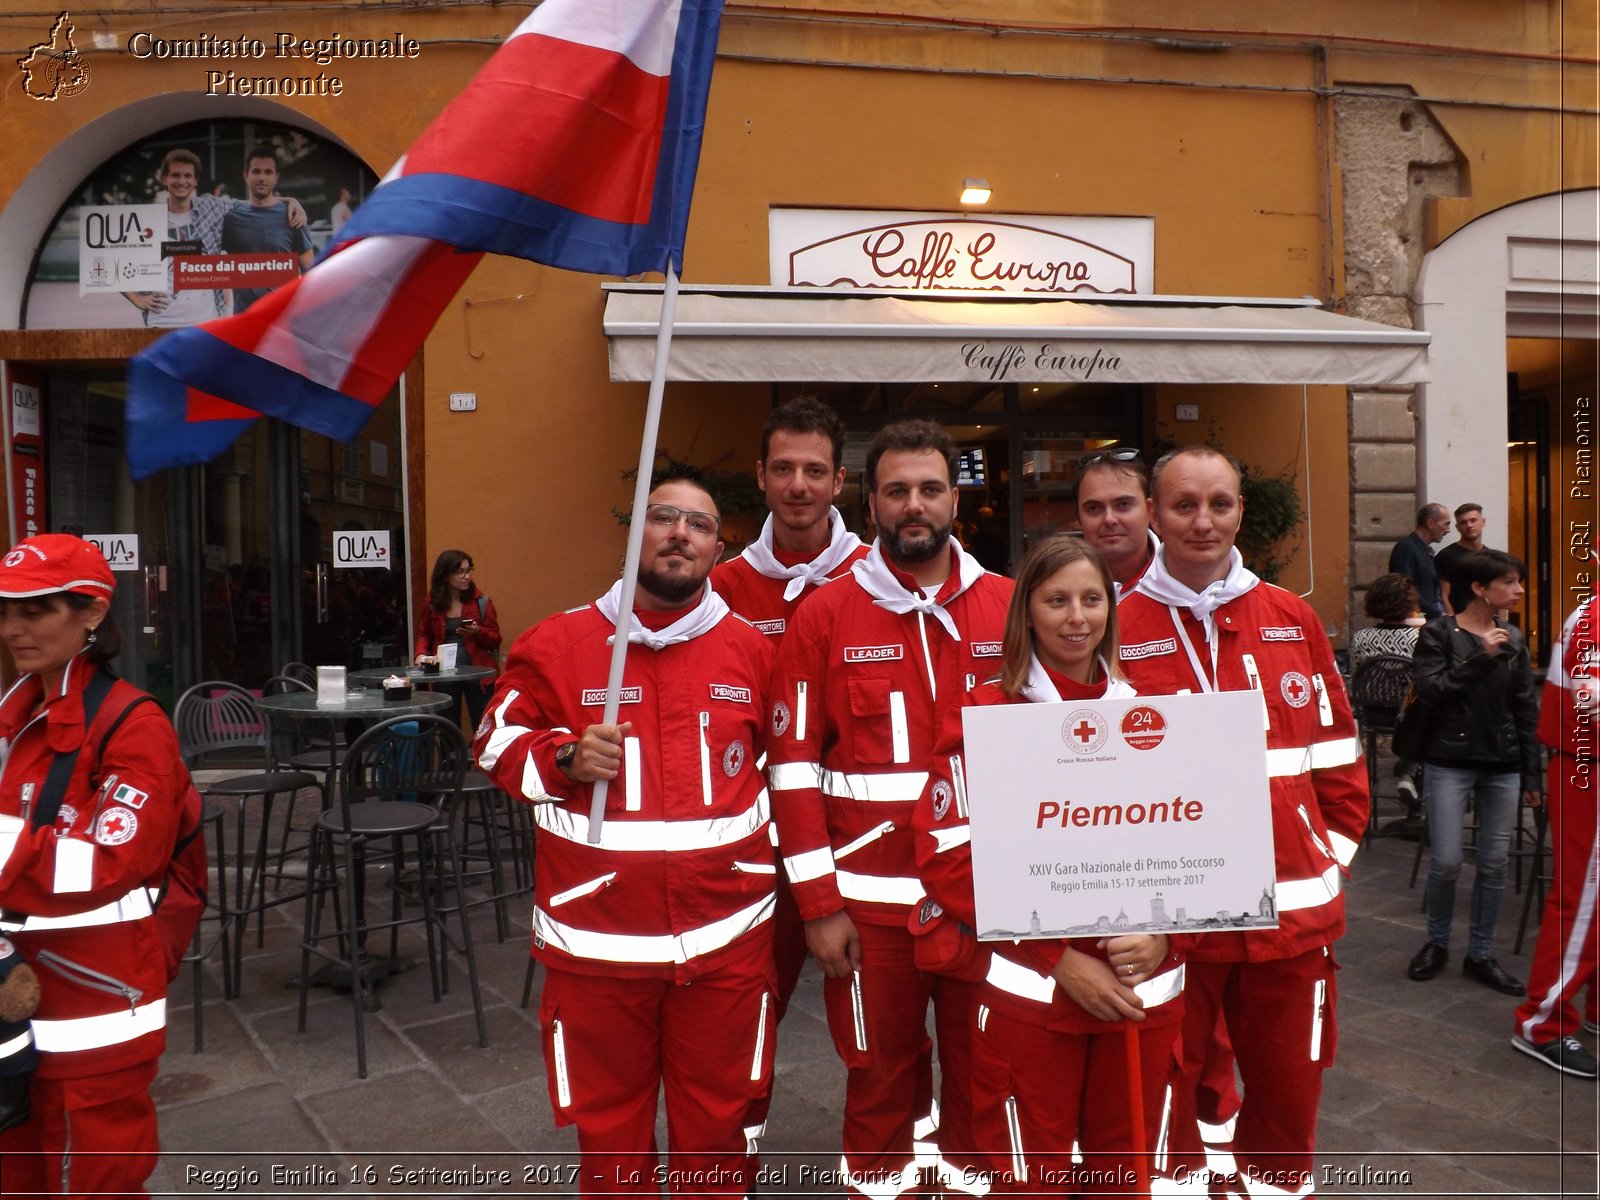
211,813
217,717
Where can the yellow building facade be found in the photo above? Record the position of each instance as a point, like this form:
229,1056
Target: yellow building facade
1430,169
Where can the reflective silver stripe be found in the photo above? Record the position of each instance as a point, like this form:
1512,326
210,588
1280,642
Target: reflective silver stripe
1029,984
949,839
792,776
705,759
632,781
1336,752
886,787
813,864
898,730
1319,999
643,836
800,710
501,735
651,948
132,907
880,889
1019,980
91,1033
1344,849
74,866
761,1040
1297,760
1159,989
1294,894
866,839
558,1044
1019,1161
958,777
858,1010
881,1184
750,868
1324,705
16,1045
583,889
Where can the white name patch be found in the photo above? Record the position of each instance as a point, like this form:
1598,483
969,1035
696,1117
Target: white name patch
1150,649
1282,633
771,628
726,691
985,649
872,653
628,695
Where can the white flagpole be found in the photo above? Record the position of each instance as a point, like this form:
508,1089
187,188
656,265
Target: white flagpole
630,566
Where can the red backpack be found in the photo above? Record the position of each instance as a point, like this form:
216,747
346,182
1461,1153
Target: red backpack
179,897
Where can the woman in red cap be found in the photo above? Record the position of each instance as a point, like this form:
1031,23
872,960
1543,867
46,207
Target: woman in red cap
76,856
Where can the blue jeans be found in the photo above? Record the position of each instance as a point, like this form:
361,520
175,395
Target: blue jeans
1445,791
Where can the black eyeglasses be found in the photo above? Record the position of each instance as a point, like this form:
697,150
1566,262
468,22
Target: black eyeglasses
1124,455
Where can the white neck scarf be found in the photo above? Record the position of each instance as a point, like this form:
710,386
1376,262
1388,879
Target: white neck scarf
1159,584
1039,688
762,555
699,619
1155,548
879,582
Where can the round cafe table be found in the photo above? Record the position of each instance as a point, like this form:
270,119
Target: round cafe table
374,676
295,712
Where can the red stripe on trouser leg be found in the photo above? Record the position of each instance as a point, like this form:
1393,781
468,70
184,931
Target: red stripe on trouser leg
889,1086
1068,1088
109,1123
1568,947
623,1039
1272,1011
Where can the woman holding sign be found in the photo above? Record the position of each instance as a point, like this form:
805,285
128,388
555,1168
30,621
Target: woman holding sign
1050,1062
457,612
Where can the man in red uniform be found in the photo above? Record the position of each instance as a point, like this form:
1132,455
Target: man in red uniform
861,670
656,941
1200,622
1114,512
1564,959
803,544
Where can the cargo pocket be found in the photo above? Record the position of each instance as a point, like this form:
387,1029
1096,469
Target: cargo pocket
880,733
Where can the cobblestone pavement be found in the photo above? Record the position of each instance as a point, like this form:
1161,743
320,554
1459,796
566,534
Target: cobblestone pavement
1427,1097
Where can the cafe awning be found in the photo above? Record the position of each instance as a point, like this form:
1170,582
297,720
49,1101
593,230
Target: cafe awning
753,334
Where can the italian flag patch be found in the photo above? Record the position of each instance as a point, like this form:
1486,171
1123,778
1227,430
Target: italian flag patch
130,796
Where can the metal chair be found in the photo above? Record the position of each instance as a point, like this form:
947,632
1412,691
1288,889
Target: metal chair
1378,688
211,813
300,673
220,718
384,772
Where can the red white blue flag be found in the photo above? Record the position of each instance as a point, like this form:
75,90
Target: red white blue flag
575,146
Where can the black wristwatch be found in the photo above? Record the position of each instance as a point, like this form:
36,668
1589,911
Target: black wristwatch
565,753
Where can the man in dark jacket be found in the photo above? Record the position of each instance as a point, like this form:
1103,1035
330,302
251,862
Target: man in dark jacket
1412,558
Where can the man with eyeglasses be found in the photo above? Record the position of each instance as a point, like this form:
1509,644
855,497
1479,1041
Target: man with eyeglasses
1114,512
862,668
657,941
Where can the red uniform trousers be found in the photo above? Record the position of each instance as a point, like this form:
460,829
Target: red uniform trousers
789,955
86,1138
1217,1097
611,1044
1036,1091
889,1087
1564,958
1280,1014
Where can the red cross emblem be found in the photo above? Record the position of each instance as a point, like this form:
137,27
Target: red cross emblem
1084,732
115,826
1296,689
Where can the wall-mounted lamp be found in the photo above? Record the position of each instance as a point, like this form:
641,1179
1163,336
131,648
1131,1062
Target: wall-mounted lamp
975,191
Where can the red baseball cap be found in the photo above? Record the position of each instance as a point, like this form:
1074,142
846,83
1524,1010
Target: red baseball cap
54,562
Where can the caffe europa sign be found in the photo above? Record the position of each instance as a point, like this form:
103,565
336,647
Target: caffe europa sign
1016,255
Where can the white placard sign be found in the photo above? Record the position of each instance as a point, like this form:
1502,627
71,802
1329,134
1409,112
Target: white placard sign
121,549
361,548
1143,815
119,248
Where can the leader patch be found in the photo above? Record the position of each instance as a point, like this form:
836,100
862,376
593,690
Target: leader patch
115,826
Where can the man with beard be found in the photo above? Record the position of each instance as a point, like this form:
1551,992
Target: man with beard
262,226
1201,621
656,941
863,665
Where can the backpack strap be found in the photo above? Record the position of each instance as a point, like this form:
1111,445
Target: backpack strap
62,766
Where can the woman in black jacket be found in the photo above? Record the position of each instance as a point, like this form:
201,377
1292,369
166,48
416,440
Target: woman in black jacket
1473,673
